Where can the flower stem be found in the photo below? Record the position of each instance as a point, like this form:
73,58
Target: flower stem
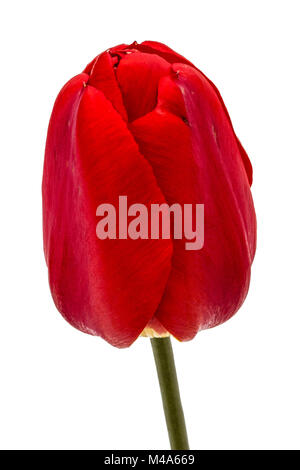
166,371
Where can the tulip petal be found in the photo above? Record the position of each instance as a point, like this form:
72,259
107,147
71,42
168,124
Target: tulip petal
102,77
138,75
109,288
166,53
164,140
198,161
172,57
154,47
201,99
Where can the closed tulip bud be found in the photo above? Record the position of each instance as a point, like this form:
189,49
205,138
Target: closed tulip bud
143,122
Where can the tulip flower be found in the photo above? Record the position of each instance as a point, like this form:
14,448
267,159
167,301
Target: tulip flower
143,122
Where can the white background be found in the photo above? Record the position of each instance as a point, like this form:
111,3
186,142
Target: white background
62,389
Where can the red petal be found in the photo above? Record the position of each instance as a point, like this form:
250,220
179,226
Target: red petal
203,100
138,75
201,164
112,50
109,288
243,154
102,77
153,47
172,57
90,65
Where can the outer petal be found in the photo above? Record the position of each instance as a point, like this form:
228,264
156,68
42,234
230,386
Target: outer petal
165,141
201,98
200,164
109,288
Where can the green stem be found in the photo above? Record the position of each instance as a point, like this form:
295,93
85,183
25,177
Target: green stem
166,371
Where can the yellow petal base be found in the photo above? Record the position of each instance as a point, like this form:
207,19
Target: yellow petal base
150,333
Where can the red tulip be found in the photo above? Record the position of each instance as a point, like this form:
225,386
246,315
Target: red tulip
144,122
